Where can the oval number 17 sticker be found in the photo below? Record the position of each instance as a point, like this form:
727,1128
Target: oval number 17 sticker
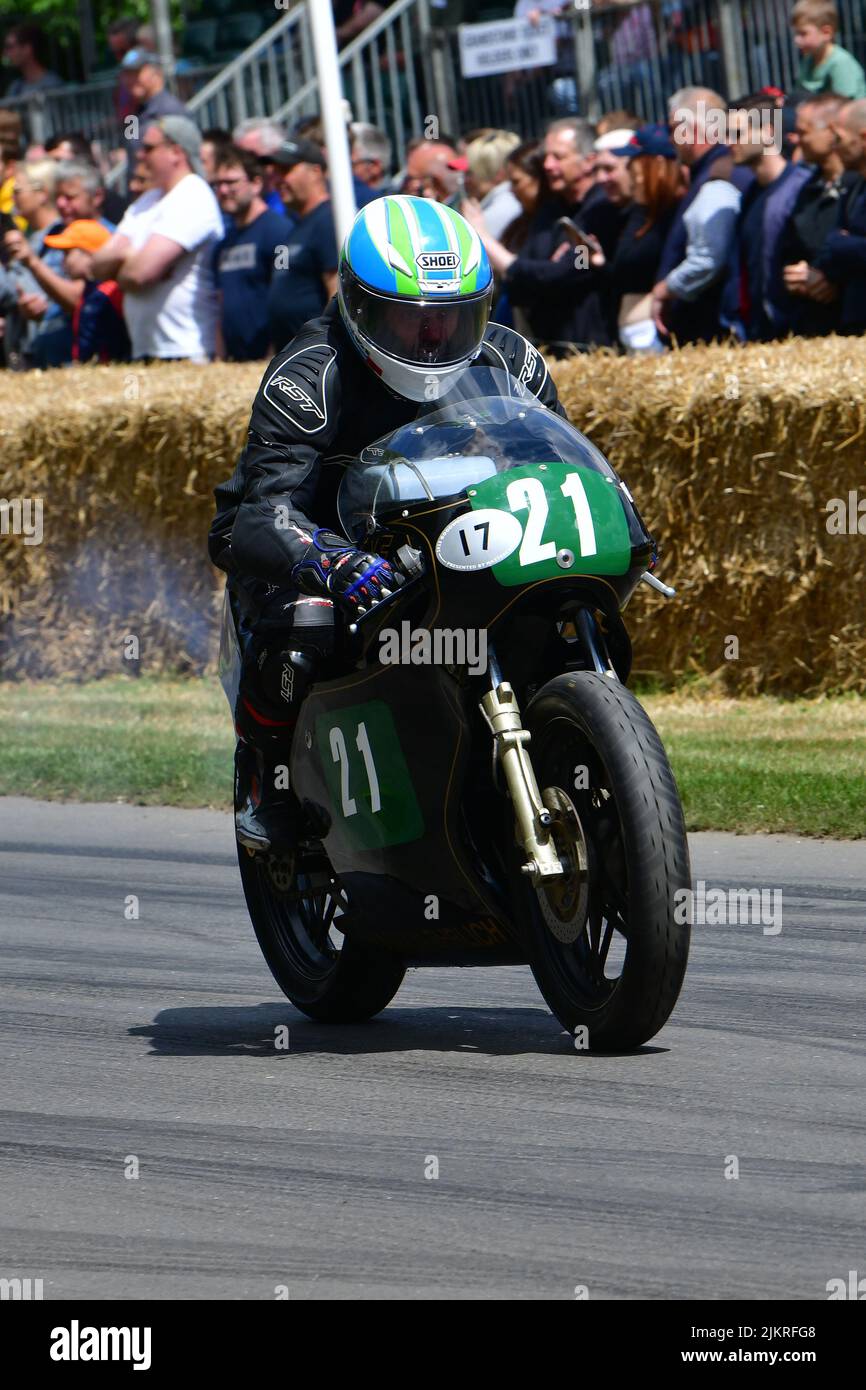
478,540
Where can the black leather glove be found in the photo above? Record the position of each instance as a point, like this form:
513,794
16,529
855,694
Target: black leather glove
355,579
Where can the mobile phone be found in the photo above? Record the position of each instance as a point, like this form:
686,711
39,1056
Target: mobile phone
7,224
577,236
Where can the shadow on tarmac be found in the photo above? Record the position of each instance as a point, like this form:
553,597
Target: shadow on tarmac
493,1032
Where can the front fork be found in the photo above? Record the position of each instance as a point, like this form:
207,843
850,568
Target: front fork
534,821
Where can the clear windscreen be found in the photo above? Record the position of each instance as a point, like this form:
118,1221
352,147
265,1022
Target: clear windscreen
486,424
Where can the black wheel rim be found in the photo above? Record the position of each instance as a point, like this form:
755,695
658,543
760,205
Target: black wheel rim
305,907
592,966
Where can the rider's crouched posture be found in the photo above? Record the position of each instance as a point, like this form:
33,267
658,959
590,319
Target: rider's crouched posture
412,310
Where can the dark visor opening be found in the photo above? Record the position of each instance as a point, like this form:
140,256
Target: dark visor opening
421,332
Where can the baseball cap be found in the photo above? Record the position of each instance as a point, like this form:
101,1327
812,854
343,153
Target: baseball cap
138,57
292,152
650,139
609,143
83,235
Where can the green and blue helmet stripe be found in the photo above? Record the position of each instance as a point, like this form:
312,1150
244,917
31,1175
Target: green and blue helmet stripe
416,248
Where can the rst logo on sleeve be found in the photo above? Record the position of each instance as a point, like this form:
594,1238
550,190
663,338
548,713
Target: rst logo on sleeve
286,395
529,365
295,394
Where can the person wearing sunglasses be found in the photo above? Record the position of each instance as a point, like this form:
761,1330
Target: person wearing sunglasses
162,253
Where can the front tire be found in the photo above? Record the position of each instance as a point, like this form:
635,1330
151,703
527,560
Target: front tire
615,966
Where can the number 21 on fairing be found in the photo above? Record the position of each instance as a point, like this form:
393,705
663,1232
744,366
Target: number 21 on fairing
530,493
340,754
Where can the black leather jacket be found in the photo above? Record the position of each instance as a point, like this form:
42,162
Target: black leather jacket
318,406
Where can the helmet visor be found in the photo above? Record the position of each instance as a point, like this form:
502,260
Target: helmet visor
422,332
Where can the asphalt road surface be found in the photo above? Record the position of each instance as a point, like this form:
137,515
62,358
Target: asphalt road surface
151,1043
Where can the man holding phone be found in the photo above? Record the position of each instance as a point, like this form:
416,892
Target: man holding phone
552,279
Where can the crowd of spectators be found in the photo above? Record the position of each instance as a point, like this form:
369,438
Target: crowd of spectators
743,218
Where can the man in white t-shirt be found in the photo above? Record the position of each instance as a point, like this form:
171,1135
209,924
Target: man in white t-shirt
161,254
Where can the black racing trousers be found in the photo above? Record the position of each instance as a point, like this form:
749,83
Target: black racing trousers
284,636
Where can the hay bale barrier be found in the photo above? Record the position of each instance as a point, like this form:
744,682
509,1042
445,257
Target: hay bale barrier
734,457
124,460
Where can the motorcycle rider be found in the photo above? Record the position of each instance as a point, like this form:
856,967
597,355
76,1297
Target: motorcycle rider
411,314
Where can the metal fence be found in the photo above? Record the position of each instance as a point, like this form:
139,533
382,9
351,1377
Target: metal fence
406,67
90,107
262,78
634,55
384,70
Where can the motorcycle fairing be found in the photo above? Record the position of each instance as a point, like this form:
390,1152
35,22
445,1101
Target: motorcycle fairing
408,865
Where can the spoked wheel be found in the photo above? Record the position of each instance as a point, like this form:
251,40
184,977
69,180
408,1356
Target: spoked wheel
608,951
302,918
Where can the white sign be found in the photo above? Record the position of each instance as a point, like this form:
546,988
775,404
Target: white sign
507,45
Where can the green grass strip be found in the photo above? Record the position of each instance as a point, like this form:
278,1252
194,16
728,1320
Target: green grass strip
794,766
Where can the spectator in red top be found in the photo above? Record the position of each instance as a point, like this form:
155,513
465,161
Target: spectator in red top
98,328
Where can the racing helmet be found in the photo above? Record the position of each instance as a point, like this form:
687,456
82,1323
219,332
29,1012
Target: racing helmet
415,289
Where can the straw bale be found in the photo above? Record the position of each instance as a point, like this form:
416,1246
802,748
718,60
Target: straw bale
731,454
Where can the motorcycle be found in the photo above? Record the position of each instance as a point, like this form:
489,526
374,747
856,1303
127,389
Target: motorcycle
481,786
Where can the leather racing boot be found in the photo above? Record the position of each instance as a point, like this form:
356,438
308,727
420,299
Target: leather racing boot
268,815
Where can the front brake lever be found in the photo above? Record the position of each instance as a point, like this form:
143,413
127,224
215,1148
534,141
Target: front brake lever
354,627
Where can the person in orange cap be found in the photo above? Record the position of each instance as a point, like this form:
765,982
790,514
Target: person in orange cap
98,327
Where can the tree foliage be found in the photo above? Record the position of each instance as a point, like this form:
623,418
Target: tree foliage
59,18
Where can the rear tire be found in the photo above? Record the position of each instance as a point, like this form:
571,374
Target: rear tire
302,917
630,835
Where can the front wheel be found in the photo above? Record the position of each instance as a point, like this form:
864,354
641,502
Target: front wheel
608,946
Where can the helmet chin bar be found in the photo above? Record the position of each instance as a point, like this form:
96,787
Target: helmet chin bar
421,385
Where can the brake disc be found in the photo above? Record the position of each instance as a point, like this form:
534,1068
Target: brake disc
281,871
564,902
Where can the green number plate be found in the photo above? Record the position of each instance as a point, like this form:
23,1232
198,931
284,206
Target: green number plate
561,507
368,780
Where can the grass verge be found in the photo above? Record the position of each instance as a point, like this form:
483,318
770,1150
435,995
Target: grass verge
796,766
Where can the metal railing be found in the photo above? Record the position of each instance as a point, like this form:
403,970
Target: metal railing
90,107
629,55
635,54
404,68
388,74
643,52
384,76
260,79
